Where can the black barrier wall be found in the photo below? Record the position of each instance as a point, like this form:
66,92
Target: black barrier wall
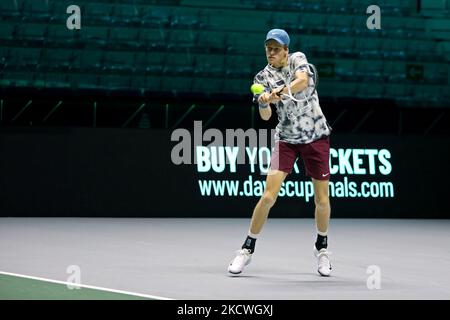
82,172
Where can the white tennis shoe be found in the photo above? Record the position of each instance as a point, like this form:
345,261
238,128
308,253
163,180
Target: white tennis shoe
243,258
323,261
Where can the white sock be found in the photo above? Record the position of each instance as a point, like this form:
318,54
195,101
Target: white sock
323,234
251,235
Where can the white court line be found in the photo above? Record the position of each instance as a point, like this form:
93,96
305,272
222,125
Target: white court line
85,286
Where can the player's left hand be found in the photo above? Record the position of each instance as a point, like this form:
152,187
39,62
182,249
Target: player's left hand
275,95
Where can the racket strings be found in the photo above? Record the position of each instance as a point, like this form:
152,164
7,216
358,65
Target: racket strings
304,104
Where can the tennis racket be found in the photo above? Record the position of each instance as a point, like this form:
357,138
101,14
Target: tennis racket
302,98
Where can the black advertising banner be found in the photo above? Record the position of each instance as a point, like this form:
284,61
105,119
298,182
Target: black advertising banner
211,173
371,176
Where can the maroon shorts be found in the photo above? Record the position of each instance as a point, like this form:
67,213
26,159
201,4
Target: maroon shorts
315,156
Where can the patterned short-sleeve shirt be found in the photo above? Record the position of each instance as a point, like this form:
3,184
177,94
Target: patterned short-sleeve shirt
297,123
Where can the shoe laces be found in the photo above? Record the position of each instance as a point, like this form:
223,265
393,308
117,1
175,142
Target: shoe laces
243,252
242,255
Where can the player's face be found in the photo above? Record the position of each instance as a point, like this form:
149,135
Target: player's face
276,53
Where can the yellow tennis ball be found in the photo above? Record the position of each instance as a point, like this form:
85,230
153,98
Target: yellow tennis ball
257,88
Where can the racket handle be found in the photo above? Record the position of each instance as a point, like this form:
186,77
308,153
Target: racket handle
279,92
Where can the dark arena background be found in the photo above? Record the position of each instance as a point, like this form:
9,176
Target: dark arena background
118,126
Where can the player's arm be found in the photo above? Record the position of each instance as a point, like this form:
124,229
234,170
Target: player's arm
265,111
300,83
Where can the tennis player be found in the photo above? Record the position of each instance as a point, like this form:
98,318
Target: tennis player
302,131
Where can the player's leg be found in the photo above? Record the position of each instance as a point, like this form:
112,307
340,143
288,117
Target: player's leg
282,162
322,211
322,217
273,184
316,158
260,213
